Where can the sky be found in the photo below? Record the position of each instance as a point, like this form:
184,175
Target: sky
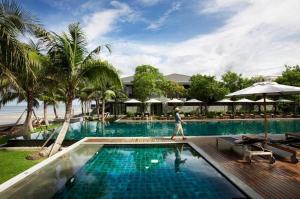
251,37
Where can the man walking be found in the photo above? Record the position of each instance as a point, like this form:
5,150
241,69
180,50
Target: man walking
178,126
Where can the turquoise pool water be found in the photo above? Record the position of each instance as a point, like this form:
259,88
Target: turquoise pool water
158,129
148,171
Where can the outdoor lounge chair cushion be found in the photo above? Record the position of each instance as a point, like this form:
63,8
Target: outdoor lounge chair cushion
248,140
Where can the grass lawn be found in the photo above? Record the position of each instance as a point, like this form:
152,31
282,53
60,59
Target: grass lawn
13,162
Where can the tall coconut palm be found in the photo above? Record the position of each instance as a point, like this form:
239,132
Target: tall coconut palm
72,65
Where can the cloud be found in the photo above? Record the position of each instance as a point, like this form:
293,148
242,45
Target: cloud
257,38
158,23
102,22
149,2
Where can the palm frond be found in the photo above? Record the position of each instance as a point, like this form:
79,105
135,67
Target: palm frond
97,50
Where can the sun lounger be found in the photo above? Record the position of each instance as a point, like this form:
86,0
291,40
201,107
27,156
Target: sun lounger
290,149
293,135
163,117
290,145
251,147
137,117
170,117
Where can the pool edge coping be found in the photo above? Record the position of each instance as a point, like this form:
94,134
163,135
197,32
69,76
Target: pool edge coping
11,182
240,185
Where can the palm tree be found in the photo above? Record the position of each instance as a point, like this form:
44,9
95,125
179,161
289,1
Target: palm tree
72,65
84,97
15,21
18,62
22,85
50,96
102,88
119,95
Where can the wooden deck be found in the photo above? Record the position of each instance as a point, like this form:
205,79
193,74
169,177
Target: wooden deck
280,180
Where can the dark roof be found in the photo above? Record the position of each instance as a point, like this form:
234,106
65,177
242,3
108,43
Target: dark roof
181,79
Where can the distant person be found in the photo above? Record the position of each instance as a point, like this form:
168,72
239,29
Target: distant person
178,126
178,161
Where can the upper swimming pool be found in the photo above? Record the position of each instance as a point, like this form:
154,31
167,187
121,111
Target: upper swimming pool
80,130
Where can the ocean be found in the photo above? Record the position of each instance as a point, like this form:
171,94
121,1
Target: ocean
9,114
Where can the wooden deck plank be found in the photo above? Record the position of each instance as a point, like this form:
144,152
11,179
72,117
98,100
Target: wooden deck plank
280,180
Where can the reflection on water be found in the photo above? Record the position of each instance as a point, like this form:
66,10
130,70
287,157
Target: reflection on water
178,160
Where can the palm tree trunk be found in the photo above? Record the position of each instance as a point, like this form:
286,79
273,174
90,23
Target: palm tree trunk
55,112
54,148
86,107
82,109
46,114
27,127
98,109
115,108
103,109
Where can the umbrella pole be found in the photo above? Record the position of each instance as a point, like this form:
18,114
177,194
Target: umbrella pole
265,118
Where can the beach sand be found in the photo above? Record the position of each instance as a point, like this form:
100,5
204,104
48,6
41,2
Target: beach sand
9,115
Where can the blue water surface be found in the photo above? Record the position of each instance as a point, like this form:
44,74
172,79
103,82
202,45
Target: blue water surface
148,171
160,129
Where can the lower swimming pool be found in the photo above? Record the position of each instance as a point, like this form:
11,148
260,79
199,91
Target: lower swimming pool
80,130
127,171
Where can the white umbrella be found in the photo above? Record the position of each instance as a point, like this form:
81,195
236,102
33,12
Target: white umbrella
193,101
266,89
267,100
132,101
174,101
225,101
153,101
244,100
284,101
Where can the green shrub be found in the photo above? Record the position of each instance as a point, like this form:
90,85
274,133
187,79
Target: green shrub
3,139
130,114
211,114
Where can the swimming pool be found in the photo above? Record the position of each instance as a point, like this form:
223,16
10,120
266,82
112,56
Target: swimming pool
127,171
78,131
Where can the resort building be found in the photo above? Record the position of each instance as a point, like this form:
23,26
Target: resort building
157,108
181,79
